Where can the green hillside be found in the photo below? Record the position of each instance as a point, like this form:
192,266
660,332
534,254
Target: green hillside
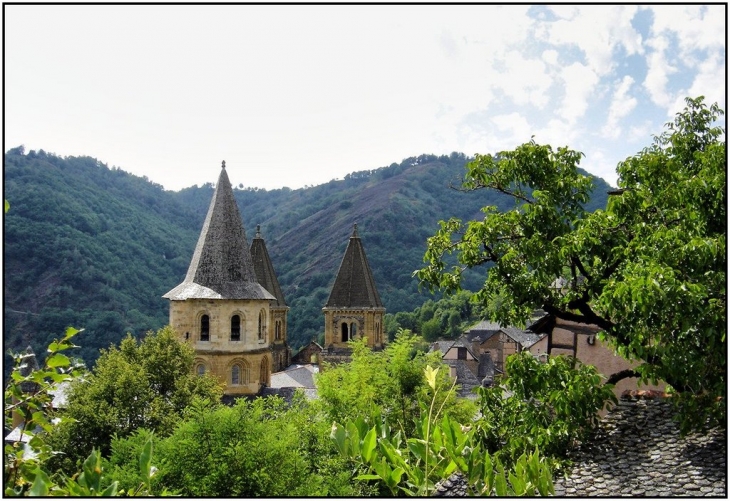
95,247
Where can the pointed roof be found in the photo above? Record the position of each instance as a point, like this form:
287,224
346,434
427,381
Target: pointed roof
354,286
264,270
221,267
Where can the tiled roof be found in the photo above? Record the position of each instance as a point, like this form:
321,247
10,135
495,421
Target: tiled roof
221,267
264,270
354,285
637,451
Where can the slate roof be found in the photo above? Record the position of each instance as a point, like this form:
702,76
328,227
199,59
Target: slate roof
637,451
354,285
525,338
465,378
295,376
481,331
288,393
221,267
264,269
442,346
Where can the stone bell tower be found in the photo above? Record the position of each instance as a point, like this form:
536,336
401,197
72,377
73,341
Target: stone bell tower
220,308
354,309
266,276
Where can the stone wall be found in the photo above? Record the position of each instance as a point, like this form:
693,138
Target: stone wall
220,352
369,324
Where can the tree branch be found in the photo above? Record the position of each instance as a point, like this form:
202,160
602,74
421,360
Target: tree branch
618,376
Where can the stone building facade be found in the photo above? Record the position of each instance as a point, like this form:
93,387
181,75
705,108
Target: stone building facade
235,325
354,309
266,276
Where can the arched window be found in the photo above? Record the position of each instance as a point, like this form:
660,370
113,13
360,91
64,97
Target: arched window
353,330
262,325
200,369
235,328
236,374
264,371
205,328
345,333
245,374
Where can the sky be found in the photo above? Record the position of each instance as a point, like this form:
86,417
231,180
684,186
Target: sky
298,95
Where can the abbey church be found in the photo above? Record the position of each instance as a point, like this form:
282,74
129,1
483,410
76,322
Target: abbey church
231,310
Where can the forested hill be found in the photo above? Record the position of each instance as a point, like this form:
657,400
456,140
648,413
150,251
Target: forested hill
94,247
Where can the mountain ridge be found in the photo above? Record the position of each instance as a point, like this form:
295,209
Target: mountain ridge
96,247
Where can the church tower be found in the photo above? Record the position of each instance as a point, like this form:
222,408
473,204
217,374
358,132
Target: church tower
354,309
220,308
266,276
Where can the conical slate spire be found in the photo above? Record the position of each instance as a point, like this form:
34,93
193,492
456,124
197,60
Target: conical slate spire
221,267
354,286
264,270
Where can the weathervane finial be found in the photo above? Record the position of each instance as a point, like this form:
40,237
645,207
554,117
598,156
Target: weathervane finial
224,164
354,230
258,231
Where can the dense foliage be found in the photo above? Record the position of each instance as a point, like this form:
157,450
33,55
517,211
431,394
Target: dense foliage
447,317
650,269
550,406
388,382
94,246
414,462
262,448
401,430
89,246
147,384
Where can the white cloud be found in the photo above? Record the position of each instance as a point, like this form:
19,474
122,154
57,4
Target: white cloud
658,71
525,81
598,30
333,89
550,56
601,165
622,103
699,33
580,80
698,27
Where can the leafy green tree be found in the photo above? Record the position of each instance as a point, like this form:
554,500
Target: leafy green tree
252,449
388,382
649,270
26,467
546,406
437,447
431,329
138,385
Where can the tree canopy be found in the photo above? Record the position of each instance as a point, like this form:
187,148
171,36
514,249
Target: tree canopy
649,270
146,384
